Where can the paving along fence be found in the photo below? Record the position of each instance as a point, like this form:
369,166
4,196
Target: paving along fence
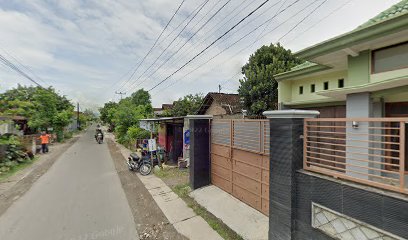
315,178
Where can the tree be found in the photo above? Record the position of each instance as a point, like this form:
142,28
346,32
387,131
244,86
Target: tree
107,112
259,89
42,106
125,115
187,105
141,97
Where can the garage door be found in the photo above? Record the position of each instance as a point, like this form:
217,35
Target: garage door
240,160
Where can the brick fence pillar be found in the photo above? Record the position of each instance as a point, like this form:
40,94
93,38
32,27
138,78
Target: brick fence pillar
200,175
286,157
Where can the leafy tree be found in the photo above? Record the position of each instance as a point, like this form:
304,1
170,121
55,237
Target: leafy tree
107,112
259,89
43,107
135,132
189,104
86,117
125,115
141,97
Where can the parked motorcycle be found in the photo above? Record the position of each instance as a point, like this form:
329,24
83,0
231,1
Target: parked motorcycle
99,138
143,165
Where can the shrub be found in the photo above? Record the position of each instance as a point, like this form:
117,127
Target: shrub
68,135
14,153
135,132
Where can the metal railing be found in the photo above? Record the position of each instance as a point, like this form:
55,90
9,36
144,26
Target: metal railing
370,151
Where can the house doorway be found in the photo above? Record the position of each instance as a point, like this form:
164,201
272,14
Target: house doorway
174,144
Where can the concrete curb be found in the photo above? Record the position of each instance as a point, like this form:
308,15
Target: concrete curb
183,218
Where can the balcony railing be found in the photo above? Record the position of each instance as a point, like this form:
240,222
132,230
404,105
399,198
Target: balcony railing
370,151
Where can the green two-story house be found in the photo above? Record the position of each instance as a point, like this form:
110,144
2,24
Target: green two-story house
362,73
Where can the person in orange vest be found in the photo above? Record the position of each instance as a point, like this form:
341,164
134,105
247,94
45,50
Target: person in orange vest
45,140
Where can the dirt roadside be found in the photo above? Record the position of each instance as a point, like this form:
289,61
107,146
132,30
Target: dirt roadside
149,219
13,187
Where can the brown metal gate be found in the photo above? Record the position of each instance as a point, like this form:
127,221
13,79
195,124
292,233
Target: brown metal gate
240,160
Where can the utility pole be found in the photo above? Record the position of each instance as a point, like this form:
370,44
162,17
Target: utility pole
121,93
78,123
219,88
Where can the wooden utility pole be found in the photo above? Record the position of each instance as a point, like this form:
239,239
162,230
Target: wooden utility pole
78,123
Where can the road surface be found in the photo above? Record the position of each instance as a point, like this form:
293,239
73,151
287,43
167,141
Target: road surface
79,198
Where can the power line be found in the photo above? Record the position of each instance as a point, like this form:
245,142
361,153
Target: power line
181,23
319,21
283,36
310,13
180,40
239,72
213,32
154,44
195,46
24,66
205,49
202,6
266,35
9,64
195,33
252,20
226,81
246,35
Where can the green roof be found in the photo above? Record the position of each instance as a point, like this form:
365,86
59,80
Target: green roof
391,20
395,10
304,68
304,65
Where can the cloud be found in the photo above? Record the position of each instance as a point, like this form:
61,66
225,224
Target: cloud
82,48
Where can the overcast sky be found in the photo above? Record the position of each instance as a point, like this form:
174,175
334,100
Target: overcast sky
87,50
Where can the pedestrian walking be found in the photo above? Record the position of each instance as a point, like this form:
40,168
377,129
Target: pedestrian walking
45,140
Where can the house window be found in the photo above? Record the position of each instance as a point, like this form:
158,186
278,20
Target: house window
301,90
341,83
390,58
326,85
312,88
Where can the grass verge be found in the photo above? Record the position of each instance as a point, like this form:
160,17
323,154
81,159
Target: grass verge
182,190
177,180
172,173
17,168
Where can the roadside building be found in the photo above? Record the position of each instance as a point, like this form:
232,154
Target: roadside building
16,125
169,135
362,73
221,105
340,174
159,112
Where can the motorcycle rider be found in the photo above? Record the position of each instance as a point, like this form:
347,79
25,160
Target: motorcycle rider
98,130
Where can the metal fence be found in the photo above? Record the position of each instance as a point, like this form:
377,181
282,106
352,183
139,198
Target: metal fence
371,151
240,160
244,134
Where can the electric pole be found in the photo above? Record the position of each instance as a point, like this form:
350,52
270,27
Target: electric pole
78,123
121,93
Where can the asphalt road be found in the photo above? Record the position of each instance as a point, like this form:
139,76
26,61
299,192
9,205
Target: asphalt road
79,198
